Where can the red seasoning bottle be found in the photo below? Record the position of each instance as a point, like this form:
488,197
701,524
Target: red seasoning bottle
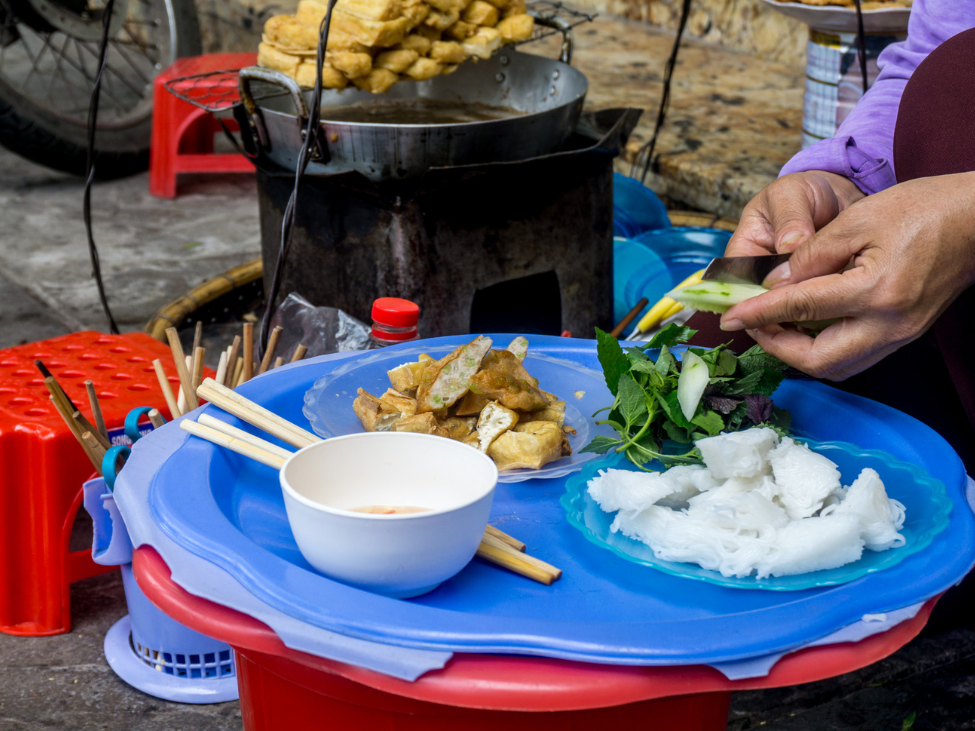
393,321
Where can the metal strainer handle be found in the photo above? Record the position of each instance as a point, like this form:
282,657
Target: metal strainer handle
256,73
562,26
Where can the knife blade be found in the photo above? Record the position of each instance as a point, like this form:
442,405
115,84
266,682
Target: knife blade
742,269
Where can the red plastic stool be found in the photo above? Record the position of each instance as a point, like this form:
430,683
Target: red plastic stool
42,466
182,134
283,689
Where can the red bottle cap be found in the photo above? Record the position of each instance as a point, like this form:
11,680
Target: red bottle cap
394,312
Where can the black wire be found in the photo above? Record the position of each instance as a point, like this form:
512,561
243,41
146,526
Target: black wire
644,158
304,157
861,44
96,268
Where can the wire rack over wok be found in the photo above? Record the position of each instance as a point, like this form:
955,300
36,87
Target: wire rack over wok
567,18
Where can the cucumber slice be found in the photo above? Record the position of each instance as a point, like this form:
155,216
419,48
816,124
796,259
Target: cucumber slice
693,380
717,297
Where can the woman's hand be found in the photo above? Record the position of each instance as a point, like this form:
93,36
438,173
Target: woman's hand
789,211
889,266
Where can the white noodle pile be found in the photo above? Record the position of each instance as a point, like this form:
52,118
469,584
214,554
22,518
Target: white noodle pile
760,505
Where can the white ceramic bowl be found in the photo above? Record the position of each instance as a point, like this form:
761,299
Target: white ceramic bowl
399,555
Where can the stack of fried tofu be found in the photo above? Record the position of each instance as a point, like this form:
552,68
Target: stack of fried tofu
375,43
482,397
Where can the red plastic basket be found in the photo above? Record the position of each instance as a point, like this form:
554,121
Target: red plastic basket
43,466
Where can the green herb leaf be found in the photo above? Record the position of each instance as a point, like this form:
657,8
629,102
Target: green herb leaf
670,336
709,421
636,355
601,445
671,407
611,358
633,400
676,433
666,362
748,384
727,363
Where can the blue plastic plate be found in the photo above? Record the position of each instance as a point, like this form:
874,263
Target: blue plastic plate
328,404
925,499
228,510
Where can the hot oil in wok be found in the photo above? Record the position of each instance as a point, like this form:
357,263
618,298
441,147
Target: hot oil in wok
416,111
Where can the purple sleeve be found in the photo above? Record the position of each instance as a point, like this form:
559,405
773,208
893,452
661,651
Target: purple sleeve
862,149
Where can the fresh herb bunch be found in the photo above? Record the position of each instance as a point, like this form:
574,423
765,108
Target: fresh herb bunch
650,407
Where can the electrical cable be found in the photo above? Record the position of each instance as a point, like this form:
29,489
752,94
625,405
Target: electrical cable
96,269
644,158
861,44
311,132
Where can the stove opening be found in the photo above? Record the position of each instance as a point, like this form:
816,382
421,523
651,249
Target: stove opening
530,304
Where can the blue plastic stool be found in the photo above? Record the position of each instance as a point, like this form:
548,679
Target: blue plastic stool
146,648
636,208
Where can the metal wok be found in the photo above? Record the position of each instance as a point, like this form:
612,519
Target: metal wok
546,96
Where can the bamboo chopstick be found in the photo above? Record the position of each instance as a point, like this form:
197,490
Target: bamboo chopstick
179,359
73,426
299,353
233,431
232,443
504,537
198,355
197,335
222,368
181,396
89,440
498,552
491,548
166,389
272,344
85,425
67,408
96,409
278,362
156,418
248,353
47,374
238,373
232,362
629,317
233,403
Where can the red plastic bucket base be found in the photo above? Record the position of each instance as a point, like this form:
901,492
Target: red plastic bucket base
277,694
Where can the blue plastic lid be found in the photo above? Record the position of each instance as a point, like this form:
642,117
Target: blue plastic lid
636,208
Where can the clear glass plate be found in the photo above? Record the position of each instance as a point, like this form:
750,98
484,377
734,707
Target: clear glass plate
328,404
925,499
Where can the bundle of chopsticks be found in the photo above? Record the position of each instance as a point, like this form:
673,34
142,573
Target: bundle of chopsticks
92,437
496,546
234,368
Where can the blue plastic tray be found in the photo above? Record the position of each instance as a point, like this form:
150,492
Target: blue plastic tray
229,510
925,499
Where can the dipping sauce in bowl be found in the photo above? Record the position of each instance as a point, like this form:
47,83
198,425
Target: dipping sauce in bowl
391,512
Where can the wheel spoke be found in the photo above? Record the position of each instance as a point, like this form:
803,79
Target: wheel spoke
132,65
138,42
57,70
108,69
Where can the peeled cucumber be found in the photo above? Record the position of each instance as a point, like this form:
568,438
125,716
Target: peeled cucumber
694,378
717,297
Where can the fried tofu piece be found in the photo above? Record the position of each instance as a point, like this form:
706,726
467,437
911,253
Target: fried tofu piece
471,404
421,424
502,378
428,31
515,7
449,68
483,43
446,6
372,9
471,440
393,400
444,383
500,4
271,58
373,413
441,21
494,420
554,412
332,78
459,427
406,377
527,446
353,65
310,12
426,359
460,31
480,13
415,42
373,33
516,28
518,347
423,69
415,13
286,32
396,61
447,52
377,81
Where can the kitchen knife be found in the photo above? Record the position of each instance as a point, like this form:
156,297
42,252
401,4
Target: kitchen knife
742,269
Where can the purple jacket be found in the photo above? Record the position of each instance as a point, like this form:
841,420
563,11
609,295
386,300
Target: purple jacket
862,149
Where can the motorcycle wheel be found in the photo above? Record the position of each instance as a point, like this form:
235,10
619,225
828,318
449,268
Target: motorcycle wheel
48,64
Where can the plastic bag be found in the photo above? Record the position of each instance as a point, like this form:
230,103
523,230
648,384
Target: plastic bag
321,329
